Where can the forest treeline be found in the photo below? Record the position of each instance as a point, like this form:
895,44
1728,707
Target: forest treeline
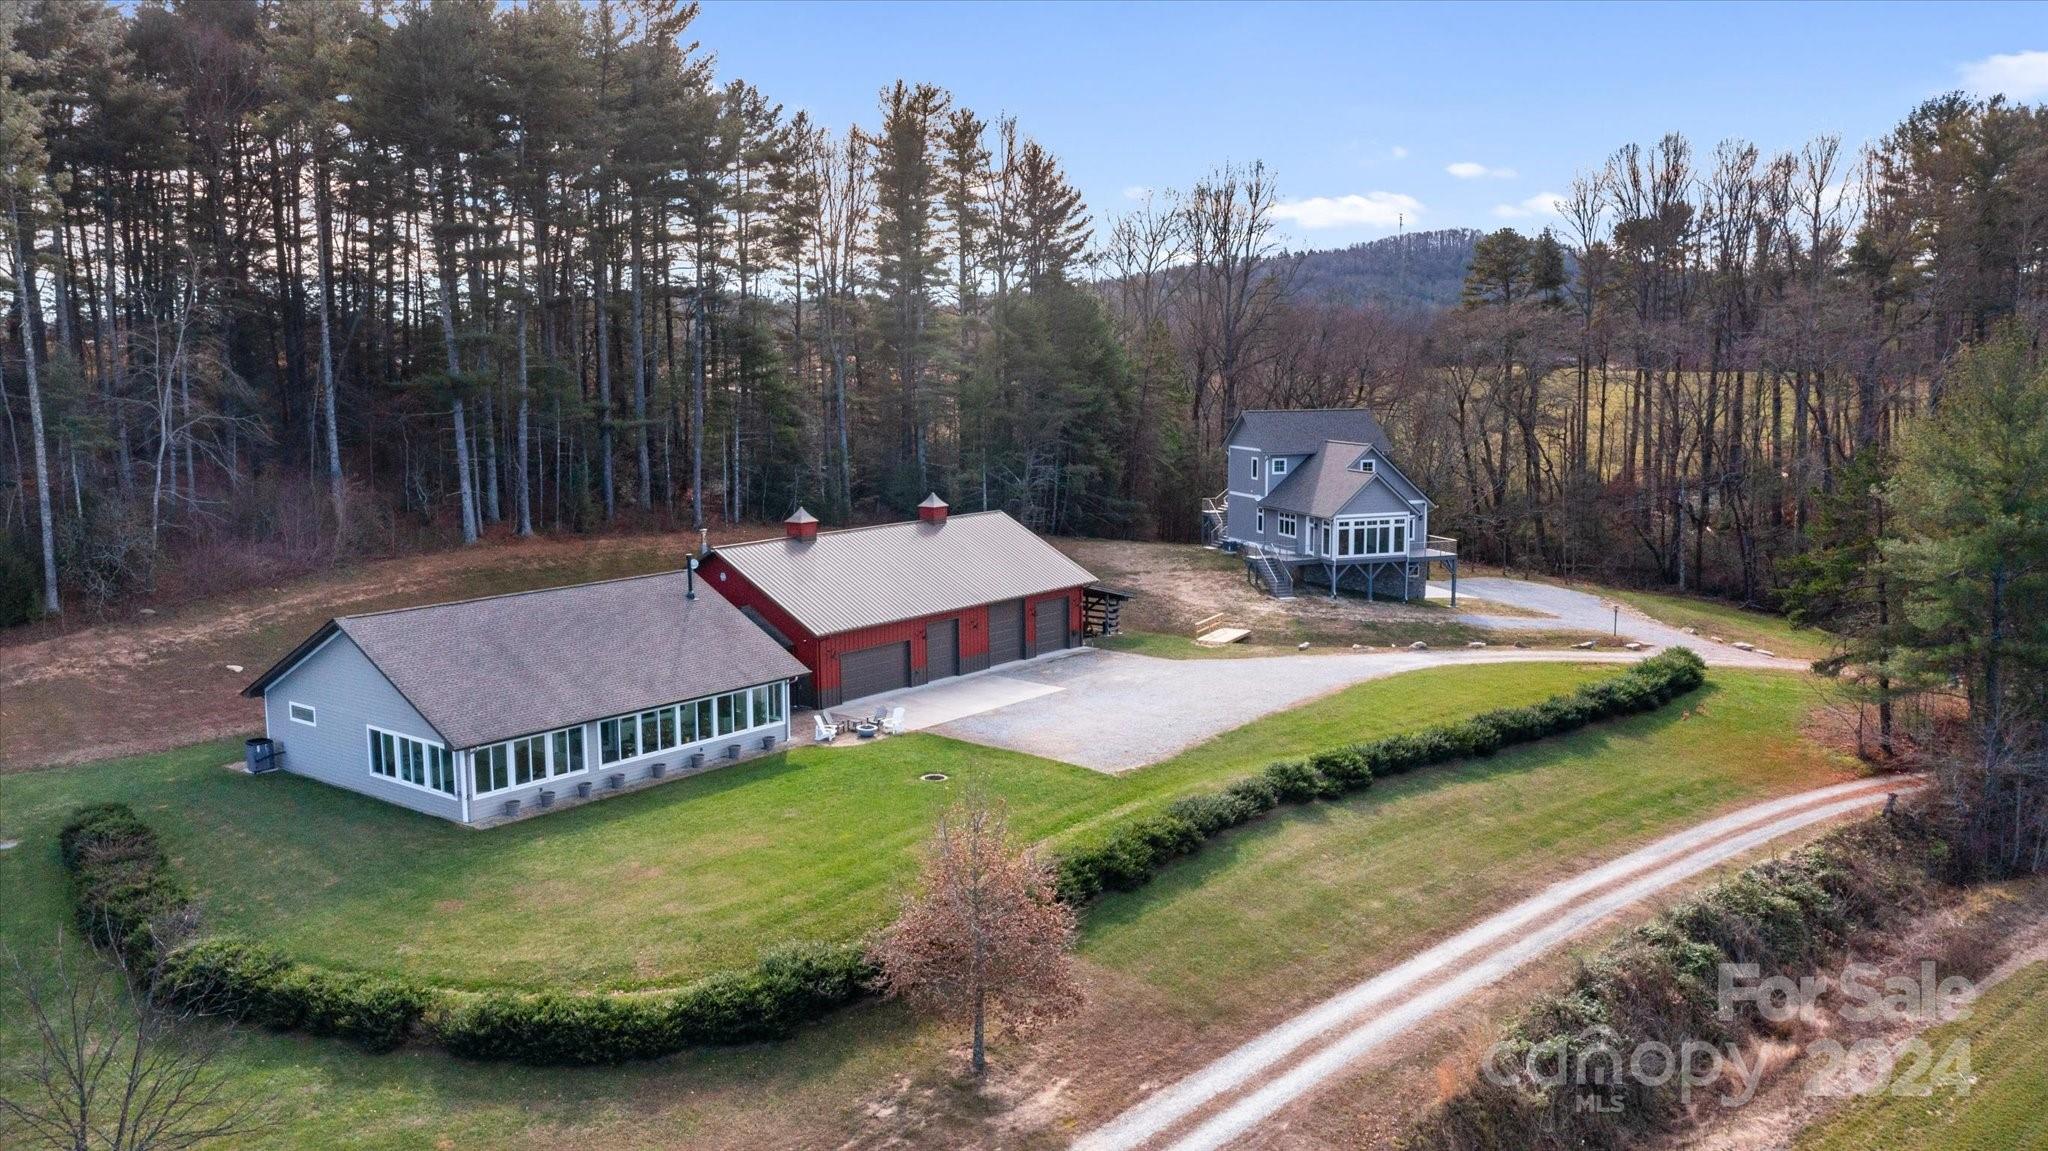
297,281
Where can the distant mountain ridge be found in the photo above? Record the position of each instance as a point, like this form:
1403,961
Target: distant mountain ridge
1424,270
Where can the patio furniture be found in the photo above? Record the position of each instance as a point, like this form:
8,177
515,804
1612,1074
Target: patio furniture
866,729
893,722
822,729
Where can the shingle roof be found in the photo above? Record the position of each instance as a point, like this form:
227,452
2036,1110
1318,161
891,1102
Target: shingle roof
1323,484
484,670
860,577
1299,431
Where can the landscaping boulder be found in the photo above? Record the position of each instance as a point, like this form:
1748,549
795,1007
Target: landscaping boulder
1418,645
1583,645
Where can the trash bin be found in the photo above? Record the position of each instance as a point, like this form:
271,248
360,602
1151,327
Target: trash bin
260,755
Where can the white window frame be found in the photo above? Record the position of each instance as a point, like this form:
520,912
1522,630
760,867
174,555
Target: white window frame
1369,528
1279,467
292,708
1365,465
1262,521
1255,466
455,767
550,769
1289,526
705,714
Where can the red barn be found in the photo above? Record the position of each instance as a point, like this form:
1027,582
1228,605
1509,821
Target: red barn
879,608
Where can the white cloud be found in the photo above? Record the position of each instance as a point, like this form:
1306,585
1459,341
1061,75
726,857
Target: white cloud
1540,204
1468,170
1398,152
1137,192
2018,75
1374,209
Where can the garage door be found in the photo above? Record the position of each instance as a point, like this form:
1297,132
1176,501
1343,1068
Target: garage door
874,669
1005,631
1049,628
942,649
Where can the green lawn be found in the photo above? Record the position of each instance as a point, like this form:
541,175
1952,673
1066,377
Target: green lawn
1730,622
2007,1104
662,885
1339,890
1265,918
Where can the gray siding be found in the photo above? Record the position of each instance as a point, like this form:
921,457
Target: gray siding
348,695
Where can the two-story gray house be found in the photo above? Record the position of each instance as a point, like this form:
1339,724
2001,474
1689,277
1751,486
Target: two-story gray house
1313,497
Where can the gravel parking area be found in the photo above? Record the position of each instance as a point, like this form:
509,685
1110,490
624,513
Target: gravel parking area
1566,608
1116,711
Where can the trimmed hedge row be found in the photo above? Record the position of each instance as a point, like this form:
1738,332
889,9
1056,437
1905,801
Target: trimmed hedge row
126,892
771,1000
1132,852
123,888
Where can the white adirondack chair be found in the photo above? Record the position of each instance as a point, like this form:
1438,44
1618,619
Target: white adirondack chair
893,722
822,731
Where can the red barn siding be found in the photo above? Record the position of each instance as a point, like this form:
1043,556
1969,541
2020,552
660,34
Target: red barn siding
821,653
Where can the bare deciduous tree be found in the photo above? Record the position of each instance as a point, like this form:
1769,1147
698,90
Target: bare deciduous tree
984,933
111,1067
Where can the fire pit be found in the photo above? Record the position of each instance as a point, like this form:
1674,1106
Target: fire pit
866,729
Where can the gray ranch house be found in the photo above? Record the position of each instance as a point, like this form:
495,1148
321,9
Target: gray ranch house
478,710
1313,497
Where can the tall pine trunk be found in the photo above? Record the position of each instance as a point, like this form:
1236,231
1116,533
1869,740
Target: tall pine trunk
25,287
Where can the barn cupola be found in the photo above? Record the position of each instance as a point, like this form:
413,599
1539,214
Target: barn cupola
802,525
932,510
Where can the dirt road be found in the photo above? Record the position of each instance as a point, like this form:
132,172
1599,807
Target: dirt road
1234,1094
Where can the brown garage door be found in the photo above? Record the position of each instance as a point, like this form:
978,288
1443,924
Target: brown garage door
874,669
1005,631
1049,627
942,649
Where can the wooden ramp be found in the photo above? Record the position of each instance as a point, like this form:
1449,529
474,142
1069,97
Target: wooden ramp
1221,636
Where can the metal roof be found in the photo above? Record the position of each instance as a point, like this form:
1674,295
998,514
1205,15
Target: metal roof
1299,431
861,577
485,670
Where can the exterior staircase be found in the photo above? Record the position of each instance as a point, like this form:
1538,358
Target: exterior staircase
1270,573
1215,510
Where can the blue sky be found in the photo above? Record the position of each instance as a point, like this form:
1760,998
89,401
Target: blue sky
1449,115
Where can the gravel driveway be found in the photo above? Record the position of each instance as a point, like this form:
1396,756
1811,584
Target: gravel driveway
1115,710
1565,608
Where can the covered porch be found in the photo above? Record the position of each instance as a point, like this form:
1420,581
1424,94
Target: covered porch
1335,562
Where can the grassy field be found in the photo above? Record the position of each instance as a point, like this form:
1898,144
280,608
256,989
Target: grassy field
1730,622
662,885
1343,889
1267,917
2007,1104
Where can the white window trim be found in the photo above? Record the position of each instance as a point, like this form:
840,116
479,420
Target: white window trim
593,751
1255,467
549,774
1366,524
1289,526
1279,467
454,761
291,712
1261,523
